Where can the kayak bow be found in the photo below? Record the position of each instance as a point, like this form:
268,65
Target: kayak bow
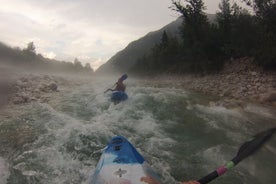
121,163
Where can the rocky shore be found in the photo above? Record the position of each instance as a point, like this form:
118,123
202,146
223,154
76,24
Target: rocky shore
240,80
33,88
19,89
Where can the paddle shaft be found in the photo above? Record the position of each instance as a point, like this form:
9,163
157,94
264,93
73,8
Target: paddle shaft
109,89
218,172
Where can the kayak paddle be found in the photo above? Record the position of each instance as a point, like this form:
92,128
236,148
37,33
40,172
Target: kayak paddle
109,89
247,149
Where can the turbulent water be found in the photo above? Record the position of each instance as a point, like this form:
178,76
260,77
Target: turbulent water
178,132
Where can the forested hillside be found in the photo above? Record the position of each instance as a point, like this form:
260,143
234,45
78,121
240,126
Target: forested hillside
28,59
206,46
126,58
202,44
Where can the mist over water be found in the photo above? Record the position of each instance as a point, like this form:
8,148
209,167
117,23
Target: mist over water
178,132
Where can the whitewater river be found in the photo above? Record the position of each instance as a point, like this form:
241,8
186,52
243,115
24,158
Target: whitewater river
178,132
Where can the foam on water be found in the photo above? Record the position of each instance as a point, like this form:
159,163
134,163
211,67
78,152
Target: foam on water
48,153
56,164
231,121
267,112
4,171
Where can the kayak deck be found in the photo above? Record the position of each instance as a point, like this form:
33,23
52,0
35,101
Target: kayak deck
121,163
118,96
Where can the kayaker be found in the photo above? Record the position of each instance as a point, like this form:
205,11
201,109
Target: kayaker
120,86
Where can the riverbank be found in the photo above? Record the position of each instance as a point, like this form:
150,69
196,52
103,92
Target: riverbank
239,81
19,88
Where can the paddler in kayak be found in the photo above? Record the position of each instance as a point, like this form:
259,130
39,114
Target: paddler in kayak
120,86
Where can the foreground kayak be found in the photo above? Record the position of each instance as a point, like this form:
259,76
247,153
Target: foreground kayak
118,96
121,163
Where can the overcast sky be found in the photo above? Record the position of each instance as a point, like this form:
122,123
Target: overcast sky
90,30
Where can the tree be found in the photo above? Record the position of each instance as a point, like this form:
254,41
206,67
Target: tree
193,11
29,53
244,34
195,20
77,64
31,47
224,19
164,40
265,11
197,33
88,68
237,30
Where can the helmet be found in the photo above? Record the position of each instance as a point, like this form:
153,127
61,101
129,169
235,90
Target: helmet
124,77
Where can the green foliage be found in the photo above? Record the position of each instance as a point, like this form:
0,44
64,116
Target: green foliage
31,47
161,58
244,35
237,30
77,64
206,46
195,20
164,40
198,43
225,20
265,11
192,12
88,68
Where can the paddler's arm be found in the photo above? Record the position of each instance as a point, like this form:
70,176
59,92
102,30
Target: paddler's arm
115,89
149,180
190,182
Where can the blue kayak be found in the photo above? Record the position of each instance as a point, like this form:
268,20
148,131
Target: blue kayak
121,163
118,96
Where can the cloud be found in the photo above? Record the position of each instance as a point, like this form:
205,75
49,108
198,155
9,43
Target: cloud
50,55
95,63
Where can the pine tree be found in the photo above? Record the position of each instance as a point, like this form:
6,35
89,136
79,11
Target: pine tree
31,47
265,11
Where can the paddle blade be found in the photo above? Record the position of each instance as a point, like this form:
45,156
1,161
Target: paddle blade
250,147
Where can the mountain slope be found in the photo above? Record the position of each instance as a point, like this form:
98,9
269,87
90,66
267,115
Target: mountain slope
124,59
